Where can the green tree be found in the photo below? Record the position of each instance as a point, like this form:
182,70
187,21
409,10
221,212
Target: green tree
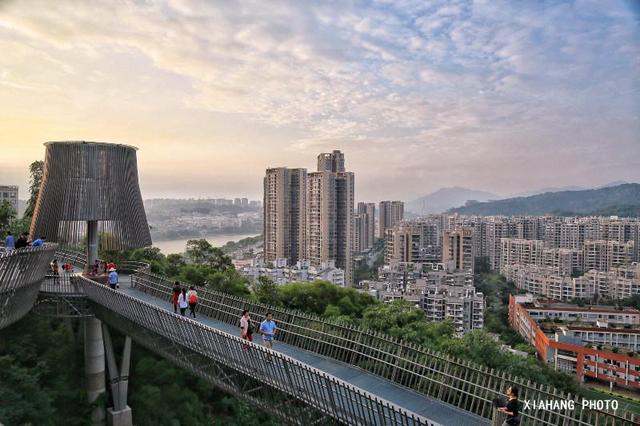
175,262
229,281
198,251
266,291
24,401
36,171
403,320
203,253
7,215
163,394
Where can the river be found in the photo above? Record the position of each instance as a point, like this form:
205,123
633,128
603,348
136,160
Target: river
178,246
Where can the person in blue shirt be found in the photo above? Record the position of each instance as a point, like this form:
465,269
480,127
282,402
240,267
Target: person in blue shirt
38,242
268,330
113,278
10,242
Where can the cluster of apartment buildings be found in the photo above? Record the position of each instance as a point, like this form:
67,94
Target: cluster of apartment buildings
584,258
441,290
281,273
240,202
430,262
310,216
597,343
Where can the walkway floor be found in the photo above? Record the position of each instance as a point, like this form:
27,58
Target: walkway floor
435,410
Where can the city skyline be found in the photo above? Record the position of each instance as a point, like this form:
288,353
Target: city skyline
433,95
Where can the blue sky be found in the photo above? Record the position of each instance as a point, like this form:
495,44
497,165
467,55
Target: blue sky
500,96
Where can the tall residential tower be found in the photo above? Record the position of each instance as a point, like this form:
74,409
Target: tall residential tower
329,232
391,212
284,214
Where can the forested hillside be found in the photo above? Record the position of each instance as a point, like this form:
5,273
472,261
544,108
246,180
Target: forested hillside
622,200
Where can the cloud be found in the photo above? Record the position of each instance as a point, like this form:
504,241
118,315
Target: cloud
397,75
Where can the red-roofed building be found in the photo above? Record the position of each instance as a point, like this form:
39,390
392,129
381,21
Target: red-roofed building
573,348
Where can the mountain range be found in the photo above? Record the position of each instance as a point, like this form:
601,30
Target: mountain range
446,198
620,200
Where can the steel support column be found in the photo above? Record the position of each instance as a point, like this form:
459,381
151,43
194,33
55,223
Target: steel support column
120,414
92,243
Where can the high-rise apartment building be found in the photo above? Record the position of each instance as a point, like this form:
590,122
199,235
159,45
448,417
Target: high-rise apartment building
285,214
365,227
309,216
521,251
358,233
329,222
604,255
391,212
9,193
331,162
402,243
496,229
458,249
461,305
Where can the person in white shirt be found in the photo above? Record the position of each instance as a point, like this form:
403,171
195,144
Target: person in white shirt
183,302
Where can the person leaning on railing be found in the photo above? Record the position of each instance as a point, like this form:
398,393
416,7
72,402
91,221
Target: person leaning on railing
511,407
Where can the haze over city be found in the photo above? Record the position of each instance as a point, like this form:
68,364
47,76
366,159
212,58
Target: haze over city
418,95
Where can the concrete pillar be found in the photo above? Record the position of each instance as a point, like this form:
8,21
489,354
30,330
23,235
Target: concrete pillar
94,366
123,417
92,243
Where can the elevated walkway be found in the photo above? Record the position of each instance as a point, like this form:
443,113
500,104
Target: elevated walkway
399,396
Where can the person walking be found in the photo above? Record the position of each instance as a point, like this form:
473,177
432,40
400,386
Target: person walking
55,271
111,265
10,242
113,278
175,293
192,298
511,408
182,301
268,330
96,268
23,241
246,329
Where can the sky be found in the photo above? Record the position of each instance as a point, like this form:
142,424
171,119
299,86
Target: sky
491,95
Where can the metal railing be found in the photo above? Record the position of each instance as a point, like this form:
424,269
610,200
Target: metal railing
61,284
74,257
463,384
327,394
21,272
62,296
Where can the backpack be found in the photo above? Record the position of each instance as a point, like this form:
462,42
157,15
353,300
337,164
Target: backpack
193,298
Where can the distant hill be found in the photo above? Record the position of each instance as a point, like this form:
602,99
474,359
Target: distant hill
565,188
551,189
446,198
621,200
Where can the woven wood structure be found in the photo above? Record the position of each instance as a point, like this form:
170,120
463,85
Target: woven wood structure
88,182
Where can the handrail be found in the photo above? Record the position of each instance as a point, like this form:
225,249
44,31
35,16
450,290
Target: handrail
61,285
21,272
462,383
332,396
